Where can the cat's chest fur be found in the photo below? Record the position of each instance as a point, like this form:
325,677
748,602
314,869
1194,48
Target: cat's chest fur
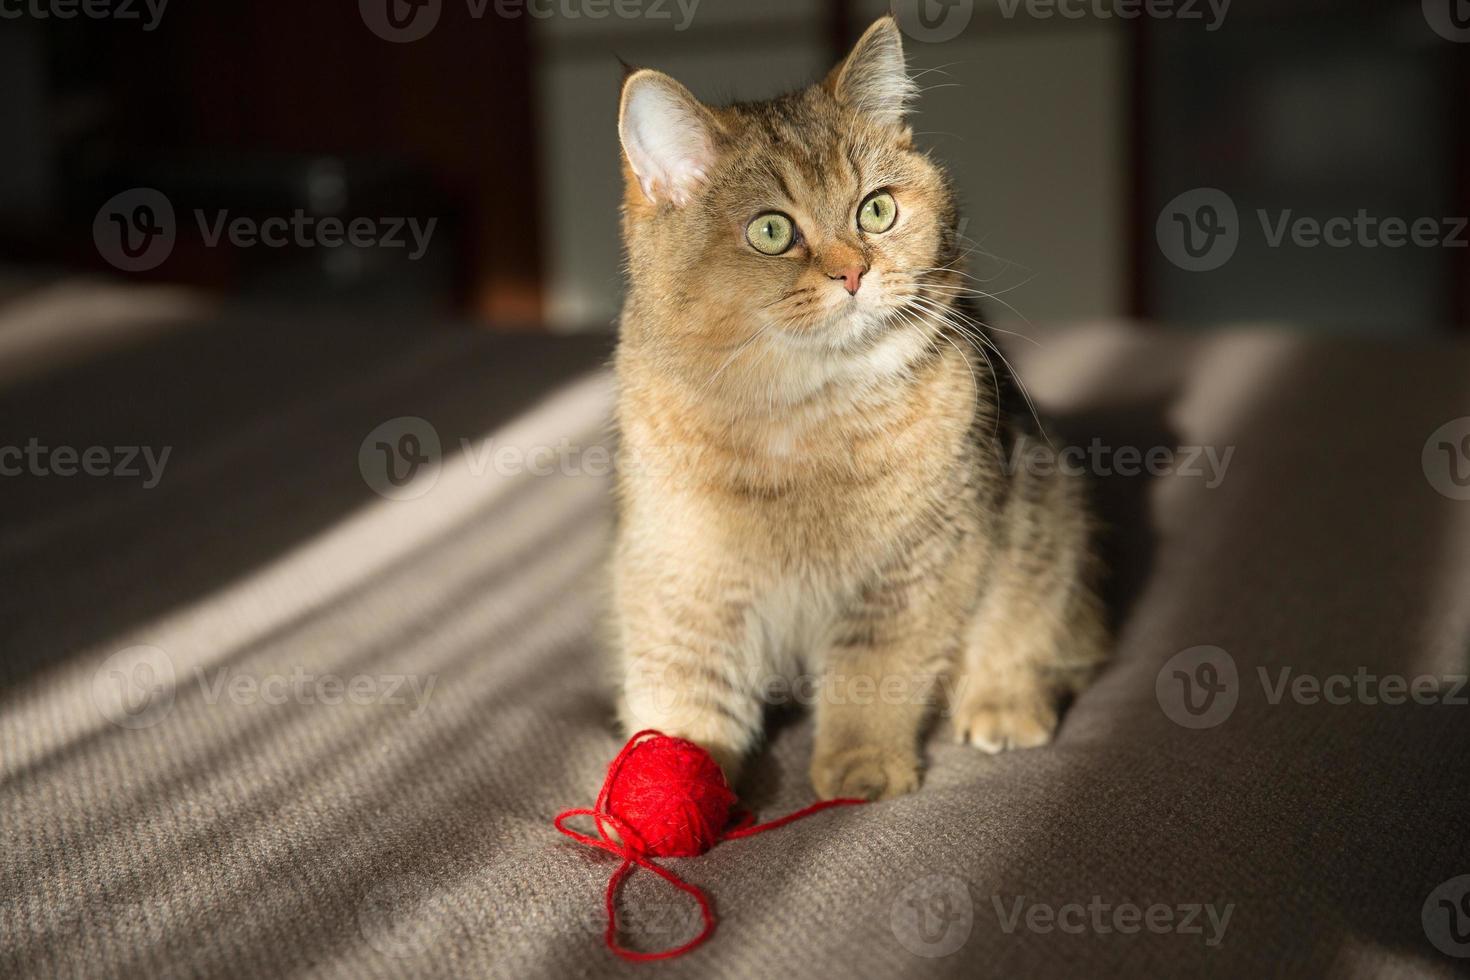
816,496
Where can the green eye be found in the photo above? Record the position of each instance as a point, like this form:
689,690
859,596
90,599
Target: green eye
877,213
771,233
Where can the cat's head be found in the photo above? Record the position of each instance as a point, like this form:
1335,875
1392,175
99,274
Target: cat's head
811,216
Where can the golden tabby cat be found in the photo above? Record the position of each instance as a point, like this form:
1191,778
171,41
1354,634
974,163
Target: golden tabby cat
814,437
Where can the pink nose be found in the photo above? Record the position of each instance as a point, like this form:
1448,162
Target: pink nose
852,278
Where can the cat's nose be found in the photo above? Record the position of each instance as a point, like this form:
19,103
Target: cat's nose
852,278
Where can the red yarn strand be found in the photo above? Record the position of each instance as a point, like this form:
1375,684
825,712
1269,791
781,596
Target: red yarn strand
750,830
627,843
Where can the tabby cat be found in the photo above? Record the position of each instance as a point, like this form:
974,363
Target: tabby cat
814,502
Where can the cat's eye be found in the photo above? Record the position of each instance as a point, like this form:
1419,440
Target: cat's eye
771,233
877,213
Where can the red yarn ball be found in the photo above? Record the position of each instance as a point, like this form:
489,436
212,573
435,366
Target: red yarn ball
671,793
665,797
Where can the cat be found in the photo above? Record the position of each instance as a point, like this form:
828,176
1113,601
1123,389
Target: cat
814,438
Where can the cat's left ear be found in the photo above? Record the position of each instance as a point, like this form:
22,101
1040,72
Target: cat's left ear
668,136
872,78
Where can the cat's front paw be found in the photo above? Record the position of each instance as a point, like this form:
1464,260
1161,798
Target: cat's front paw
865,772
997,724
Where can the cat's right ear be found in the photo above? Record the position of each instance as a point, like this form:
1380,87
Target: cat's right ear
667,135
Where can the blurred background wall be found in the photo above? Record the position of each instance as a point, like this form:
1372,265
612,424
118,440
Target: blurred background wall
1087,138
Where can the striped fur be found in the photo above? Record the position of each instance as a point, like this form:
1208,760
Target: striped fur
812,484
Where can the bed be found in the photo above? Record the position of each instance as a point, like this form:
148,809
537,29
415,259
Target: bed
307,704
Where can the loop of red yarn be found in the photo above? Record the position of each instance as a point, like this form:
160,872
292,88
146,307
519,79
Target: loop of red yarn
666,797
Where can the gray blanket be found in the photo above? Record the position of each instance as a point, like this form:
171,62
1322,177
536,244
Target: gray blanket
304,699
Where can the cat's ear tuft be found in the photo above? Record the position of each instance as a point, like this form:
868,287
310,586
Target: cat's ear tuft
667,135
873,78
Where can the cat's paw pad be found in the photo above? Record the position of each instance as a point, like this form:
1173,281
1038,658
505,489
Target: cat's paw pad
866,772
1018,723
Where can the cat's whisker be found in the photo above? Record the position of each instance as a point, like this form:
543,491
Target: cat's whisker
975,249
982,293
950,268
989,365
731,359
965,291
936,70
986,294
957,320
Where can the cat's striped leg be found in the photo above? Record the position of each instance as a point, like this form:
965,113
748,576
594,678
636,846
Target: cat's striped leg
882,673
688,672
1039,632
